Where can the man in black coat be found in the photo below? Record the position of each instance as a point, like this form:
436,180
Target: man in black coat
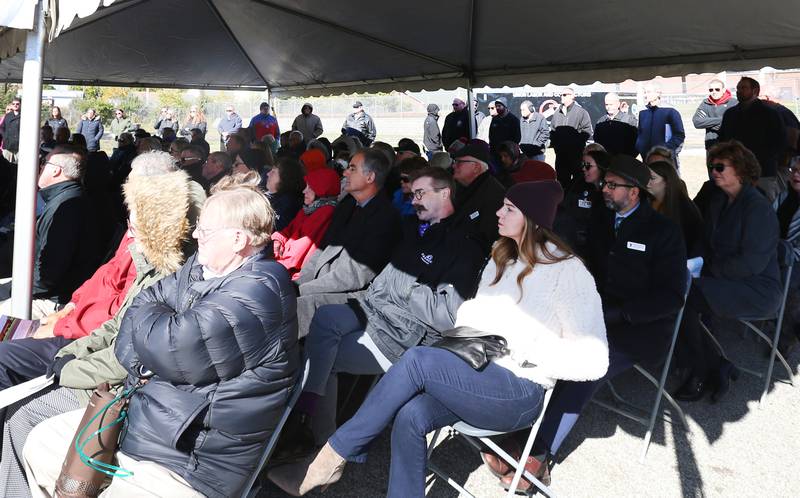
760,128
479,194
456,124
358,243
638,259
67,250
9,130
410,303
505,127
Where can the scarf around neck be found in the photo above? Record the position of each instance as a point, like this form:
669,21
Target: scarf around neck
318,203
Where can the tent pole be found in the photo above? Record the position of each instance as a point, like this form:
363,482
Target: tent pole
473,132
28,167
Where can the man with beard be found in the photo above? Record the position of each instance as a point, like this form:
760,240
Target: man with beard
504,127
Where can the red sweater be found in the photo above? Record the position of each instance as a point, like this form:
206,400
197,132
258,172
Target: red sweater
99,298
301,238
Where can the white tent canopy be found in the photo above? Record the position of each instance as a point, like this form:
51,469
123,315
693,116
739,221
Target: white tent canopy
315,47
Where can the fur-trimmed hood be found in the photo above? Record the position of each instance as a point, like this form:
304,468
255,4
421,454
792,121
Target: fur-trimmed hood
166,210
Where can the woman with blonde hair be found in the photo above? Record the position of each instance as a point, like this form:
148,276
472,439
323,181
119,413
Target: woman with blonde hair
537,296
196,119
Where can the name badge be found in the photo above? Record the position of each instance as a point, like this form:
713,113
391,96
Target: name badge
474,215
583,203
637,246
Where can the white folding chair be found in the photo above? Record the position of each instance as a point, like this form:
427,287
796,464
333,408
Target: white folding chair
250,490
786,260
475,434
650,422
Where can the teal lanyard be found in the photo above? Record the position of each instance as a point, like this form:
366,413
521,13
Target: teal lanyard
106,468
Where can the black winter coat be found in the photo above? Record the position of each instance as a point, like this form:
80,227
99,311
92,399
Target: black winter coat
642,271
417,295
456,125
10,132
477,205
760,128
224,353
740,273
68,247
357,246
504,128
582,204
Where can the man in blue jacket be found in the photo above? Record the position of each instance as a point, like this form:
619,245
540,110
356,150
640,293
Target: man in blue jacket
91,127
659,125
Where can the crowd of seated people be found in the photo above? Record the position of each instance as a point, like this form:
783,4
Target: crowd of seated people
209,275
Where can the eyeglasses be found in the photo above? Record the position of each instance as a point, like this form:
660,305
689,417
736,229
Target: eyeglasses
614,185
404,179
420,193
189,159
586,166
715,89
207,233
228,110
718,167
794,170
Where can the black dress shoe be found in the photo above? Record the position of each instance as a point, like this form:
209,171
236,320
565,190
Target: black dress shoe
692,390
295,442
725,375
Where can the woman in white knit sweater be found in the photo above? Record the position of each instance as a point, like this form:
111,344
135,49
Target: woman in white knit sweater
534,293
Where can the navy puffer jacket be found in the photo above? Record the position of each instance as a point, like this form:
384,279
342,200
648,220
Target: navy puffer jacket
224,352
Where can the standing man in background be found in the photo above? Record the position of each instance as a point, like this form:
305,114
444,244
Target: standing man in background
709,114
263,124
9,129
659,125
228,125
432,136
361,123
308,123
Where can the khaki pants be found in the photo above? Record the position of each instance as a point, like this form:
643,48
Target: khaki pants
39,307
46,449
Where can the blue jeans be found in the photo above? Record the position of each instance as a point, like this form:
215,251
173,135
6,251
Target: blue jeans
26,359
430,388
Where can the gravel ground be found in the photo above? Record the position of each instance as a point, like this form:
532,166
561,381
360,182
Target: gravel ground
733,447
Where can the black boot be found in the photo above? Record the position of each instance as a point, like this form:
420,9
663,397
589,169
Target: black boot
694,389
296,440
726,374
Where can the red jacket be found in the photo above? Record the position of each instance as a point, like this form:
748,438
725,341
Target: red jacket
99,298
298,241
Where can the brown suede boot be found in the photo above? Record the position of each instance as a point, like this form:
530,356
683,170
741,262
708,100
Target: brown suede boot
297,479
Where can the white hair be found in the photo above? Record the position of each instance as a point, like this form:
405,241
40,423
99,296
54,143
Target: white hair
612,96
153,163
71,164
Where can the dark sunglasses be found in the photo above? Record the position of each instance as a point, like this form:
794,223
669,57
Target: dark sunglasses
718,167
404,179
586,166
715,89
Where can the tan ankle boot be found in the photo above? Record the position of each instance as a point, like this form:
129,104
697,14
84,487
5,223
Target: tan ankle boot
297,479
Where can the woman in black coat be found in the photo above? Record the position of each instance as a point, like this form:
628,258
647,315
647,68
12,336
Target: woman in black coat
219,338
740,275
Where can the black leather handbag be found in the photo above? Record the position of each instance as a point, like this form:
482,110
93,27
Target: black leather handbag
474,346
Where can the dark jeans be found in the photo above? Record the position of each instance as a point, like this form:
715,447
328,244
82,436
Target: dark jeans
25,359
568,400
430,388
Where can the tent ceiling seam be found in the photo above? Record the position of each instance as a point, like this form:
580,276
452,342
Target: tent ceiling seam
235,41
359,34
